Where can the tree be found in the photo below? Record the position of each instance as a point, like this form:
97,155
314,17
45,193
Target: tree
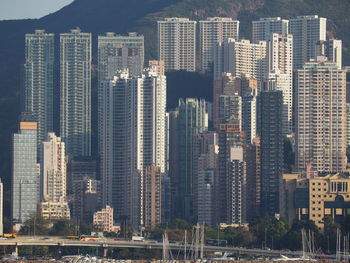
64,228
330,234
293,240
239,236
269,230
36,225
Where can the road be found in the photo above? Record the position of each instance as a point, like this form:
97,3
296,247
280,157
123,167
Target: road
148,244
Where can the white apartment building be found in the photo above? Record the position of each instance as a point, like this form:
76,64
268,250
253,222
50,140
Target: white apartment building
212,31
240,57
177,43
280,75
306,31
38,81
76,92
115,53
133,137
53,170
277,81
263,28
321,117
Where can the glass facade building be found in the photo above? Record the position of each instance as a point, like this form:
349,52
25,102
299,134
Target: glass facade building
25,181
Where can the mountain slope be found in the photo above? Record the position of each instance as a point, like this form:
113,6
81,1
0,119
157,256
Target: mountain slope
99,16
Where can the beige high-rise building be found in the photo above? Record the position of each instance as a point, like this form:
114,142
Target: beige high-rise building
280,53
152,196
53,177
157,66
263,28
240,57
212,31
321,116
306,31
53,169
245,87
177,43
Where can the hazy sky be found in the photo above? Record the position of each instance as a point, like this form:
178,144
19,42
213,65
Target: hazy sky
18,9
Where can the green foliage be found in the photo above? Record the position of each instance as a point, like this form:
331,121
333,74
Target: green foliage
178,223
44,227
64,228
269,231
85,228
239,236
293,239
36,226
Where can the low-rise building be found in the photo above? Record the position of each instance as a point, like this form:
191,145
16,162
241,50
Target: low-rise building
54,210
103,220
315,198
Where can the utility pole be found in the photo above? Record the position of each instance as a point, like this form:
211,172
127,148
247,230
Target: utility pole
185,244
202,241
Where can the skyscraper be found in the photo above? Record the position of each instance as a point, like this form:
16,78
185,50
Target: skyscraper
271,149
249,114
212,31
253,167
240,57
76,92
306,31
231,170
38,81
134,137
152,196
177,43
53,170
280,75
25,184
115,53
245,87
321,117
236,186
263,28
191,120
205,164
